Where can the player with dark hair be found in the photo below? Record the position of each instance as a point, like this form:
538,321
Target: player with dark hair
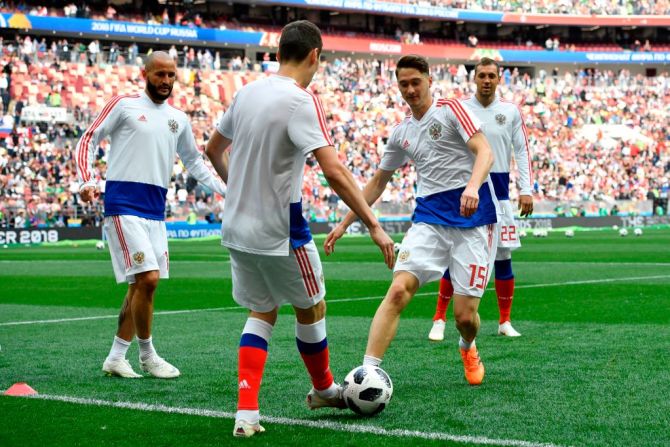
505,130
146,133
453,223
273,124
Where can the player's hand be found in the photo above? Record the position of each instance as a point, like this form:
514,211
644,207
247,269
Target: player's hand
526,205
333,236
469,201
89,193
385,243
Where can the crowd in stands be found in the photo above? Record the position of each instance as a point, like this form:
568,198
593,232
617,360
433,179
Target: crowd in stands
571,119
580,7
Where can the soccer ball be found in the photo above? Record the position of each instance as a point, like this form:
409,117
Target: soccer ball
523,234
615,227
569,233
396,248
537,233
637,232
367,390
623,232
100,245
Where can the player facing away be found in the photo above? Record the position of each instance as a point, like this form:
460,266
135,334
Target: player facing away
453,225
273,124
145,132
505,130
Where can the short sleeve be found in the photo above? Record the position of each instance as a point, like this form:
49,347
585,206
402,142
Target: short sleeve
394,155
307,126
226,125
464,121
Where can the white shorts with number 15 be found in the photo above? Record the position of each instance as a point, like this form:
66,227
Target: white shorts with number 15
428,250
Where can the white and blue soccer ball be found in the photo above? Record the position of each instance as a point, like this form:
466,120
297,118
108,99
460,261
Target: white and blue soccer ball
569,233
100,245
367,390
623,232
637,232
396,248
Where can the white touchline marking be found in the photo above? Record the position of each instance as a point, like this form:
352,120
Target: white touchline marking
321,423
330,301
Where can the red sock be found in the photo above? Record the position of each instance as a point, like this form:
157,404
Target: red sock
505,292
443,298
313,347
251,363
318,366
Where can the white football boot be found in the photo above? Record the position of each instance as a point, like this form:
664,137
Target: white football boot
244,429
314,400
437,331
507,330
159,368
120,368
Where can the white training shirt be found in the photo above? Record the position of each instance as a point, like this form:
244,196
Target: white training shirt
145,137
444,163
505,129
274,124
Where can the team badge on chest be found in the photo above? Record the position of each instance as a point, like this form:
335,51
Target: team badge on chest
501,119
435,131
173,125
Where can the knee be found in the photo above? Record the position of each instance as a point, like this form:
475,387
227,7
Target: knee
147,281
398,296
464,318
311,315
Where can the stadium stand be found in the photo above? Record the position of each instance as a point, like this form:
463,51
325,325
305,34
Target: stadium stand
597,135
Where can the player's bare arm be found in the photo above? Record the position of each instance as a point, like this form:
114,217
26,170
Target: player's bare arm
372,191
341,180
218,154
479,146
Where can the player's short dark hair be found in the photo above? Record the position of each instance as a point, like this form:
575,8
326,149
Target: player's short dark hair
298,39
414,61
488,61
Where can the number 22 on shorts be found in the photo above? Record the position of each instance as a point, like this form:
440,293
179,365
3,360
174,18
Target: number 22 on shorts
478,275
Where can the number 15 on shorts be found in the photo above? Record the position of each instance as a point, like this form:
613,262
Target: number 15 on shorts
478,275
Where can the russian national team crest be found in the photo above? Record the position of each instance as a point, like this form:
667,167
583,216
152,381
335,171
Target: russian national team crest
138,257
173,125
501,119
403,256
435,131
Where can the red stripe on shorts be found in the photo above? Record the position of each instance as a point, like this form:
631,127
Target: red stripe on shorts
122,241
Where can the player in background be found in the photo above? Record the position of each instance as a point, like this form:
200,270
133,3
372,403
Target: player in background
145,132
273,124
505,130
453,225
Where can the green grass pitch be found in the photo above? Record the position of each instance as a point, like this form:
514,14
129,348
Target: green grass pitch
591,369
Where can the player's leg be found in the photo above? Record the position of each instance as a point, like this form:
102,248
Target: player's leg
312,341
252,356
504,283
508,240
385,322
422,257
474,250
440,318
251,291
116,363
467,323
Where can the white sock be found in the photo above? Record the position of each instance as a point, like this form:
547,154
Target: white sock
370,360
146,348
251,416
119,349
466,345
329,392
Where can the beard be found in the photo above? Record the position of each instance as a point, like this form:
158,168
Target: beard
153,92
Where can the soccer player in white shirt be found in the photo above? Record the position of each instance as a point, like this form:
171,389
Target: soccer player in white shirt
454,220
146,132
505,130
273,124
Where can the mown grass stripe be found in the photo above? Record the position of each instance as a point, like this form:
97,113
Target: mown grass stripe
330,301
